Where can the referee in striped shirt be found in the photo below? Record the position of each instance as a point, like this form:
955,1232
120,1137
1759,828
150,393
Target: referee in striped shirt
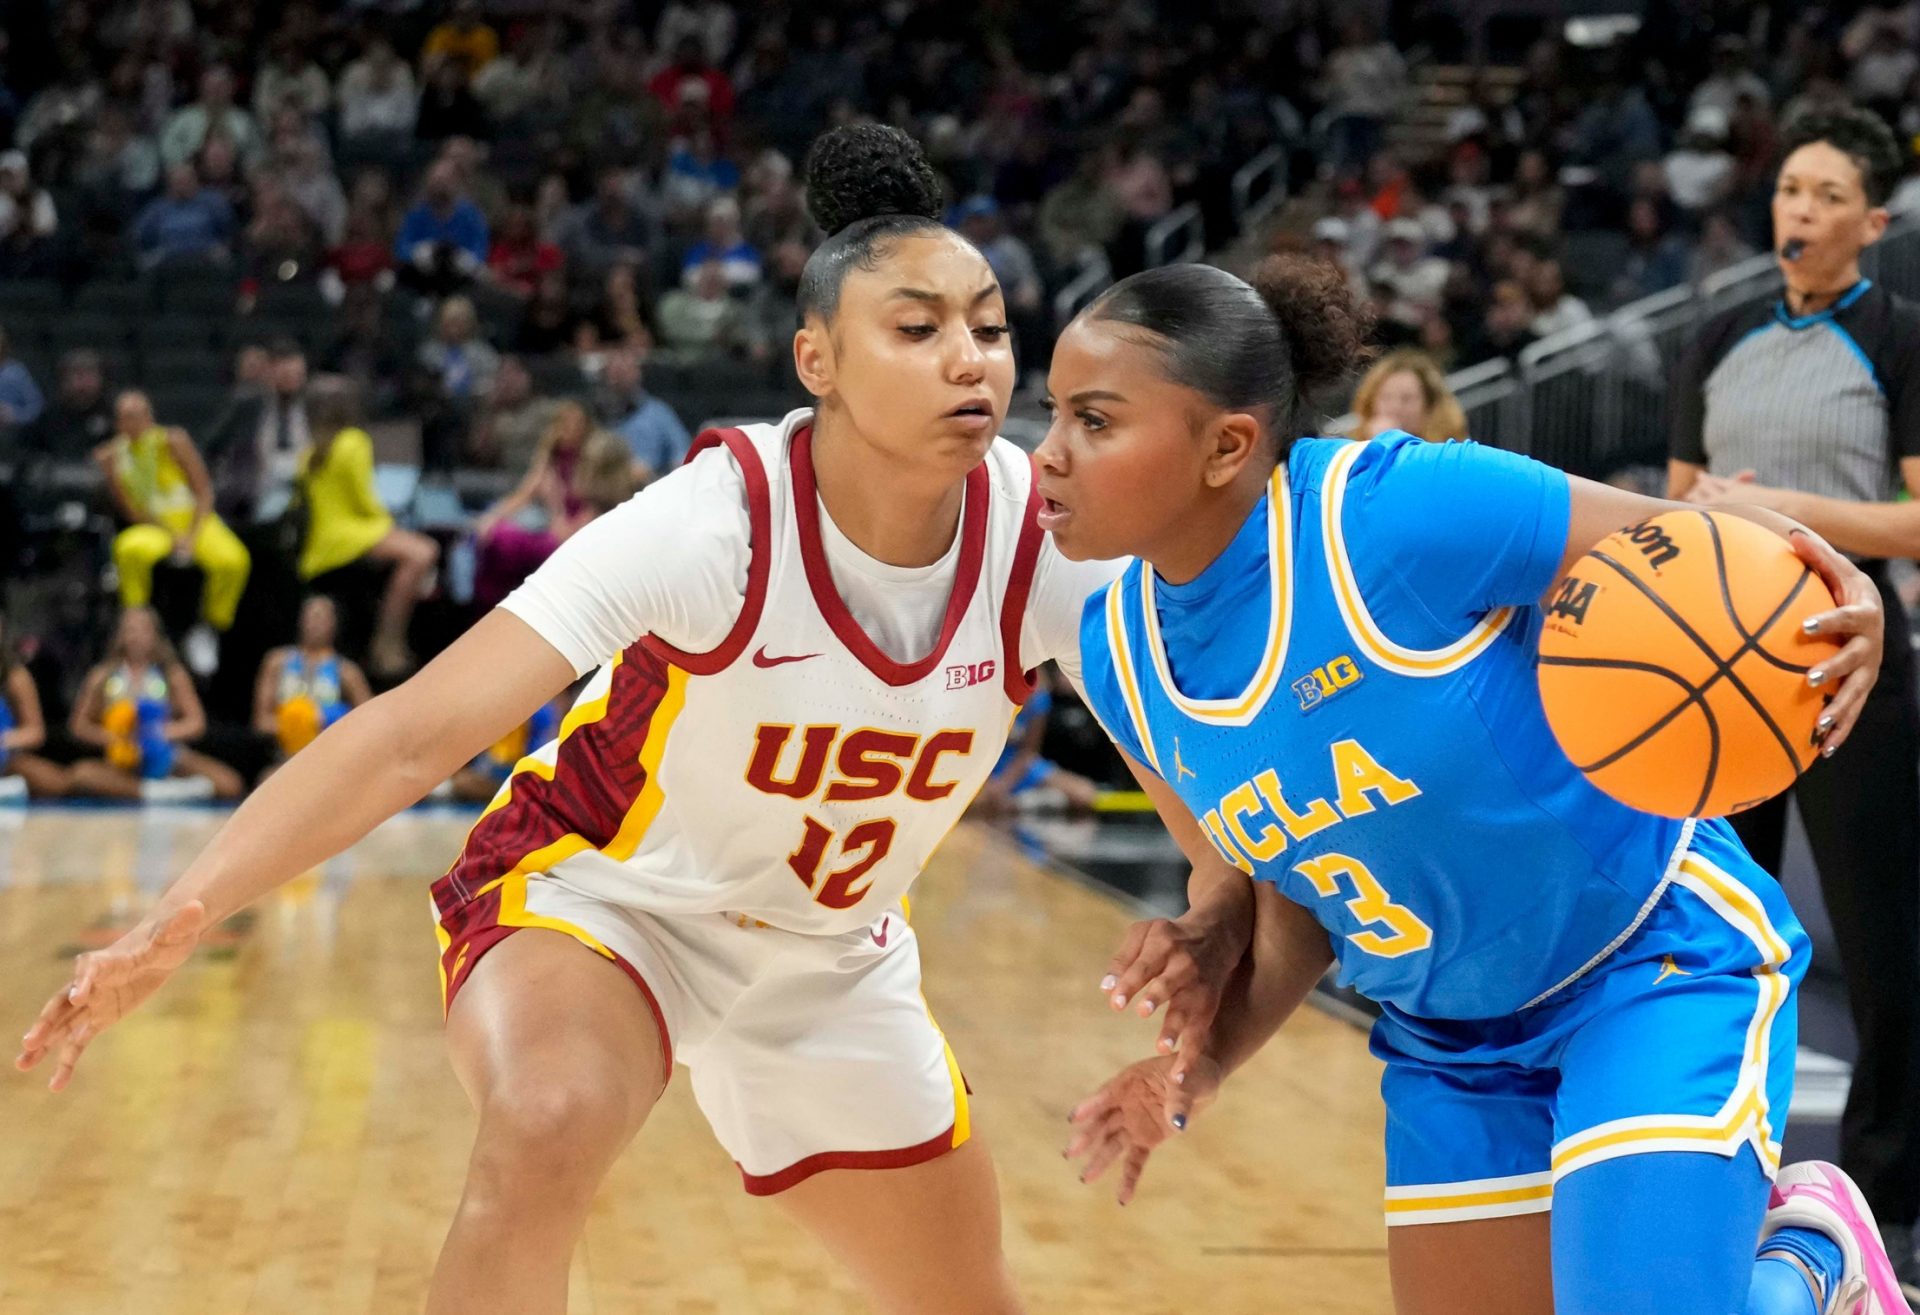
1811,405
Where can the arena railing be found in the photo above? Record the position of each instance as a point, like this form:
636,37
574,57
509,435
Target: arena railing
1259,187
1094,277
1179,236
1593,399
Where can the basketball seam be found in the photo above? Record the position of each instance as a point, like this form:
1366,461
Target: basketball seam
1696,693
1726,600
1724,666
1694,696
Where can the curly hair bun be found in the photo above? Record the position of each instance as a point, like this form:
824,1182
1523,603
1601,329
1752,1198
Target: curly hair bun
1325,328
866,170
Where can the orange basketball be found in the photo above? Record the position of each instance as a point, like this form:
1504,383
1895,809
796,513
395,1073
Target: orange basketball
1673,667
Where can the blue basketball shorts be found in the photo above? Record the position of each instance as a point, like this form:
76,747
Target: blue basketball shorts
1680,1039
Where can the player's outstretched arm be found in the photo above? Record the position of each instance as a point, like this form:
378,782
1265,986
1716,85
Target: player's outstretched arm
377,760
1183,963
1145,1103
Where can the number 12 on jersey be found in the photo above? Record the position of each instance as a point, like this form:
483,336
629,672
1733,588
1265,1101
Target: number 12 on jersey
866,844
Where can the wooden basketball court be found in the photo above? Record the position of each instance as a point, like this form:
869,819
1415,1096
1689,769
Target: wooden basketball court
280,1131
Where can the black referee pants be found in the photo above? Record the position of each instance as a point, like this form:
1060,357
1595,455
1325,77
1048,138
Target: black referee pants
1862,814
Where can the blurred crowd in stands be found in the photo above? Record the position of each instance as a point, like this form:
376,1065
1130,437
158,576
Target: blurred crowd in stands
379,301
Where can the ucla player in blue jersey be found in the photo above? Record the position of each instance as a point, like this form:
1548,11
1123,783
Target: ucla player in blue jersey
1327,655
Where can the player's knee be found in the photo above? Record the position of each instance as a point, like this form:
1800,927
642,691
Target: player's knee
547,1139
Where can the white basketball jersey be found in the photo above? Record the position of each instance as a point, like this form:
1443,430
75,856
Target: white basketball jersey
795,774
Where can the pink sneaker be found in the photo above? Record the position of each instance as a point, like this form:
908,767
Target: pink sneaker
1817,1195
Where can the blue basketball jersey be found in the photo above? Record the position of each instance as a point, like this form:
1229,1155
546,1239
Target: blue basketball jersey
1347,699
319,681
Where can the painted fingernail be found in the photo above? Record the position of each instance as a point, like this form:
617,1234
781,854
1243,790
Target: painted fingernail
1811,625
1180,1078
1828,750
1826,721
1146,1004
1119,1002
1180,1122
1108,982
1816,677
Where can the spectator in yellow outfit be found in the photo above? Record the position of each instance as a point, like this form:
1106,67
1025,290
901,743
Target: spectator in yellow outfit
346,520
464,37
160,487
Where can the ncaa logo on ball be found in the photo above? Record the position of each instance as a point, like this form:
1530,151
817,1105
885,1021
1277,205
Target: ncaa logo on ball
1569,606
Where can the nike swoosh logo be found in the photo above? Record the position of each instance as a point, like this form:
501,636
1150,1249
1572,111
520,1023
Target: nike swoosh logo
880,937
760,659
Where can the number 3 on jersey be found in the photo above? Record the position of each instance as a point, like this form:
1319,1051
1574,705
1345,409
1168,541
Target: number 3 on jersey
1406,934
866,844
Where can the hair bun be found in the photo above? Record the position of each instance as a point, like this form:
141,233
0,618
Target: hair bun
866,170
1326,328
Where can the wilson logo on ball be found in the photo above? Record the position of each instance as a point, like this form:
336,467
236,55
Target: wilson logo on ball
1654,543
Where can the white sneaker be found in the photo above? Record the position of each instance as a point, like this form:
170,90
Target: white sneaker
13,790
202,650
1817,1195
176,790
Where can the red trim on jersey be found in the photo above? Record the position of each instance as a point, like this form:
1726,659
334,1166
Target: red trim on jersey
800,1170
1013,608
760,521
596,777
473,928
973,538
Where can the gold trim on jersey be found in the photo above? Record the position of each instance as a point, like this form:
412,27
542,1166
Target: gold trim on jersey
580,715
1746,1116
1245,706
1353,608
1124,669
645,805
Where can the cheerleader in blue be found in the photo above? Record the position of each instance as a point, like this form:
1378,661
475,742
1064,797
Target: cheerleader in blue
23,728
307,686
139,710
1323,666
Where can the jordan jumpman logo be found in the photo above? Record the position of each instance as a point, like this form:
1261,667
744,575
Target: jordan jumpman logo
1668,968
1180,770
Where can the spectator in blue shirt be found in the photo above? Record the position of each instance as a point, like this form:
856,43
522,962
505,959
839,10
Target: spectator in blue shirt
21,403
443,239
724,243
187,221
651,430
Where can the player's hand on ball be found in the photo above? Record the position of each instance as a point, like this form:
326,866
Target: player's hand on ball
1139,1107
1859,620
108,985
1182,963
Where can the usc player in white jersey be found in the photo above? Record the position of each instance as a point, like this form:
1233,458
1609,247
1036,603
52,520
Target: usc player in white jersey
809,643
